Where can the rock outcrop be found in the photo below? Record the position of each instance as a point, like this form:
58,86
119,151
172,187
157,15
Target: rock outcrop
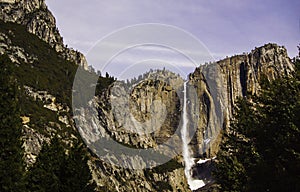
139,115
213,90
38,20
220,84
16,54
123,111
33,139
153,106
149,109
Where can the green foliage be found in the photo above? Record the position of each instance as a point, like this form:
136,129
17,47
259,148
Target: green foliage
54,170
45,174
166,167
103,83
51,71
163,186
261,149
11,151
76,173
57,171
237,154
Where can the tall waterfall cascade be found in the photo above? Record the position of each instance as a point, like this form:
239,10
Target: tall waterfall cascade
194,184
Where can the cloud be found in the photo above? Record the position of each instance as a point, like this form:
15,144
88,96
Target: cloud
141,59
225,27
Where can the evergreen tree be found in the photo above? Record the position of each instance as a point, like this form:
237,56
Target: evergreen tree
57,171
76,175
237,155
46,172
261,149
11,151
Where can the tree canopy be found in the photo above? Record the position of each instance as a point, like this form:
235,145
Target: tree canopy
11,151
261,149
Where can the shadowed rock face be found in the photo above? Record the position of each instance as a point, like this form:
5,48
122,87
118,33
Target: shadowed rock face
210,104
38,20
212,92
150,106
142,115
219,85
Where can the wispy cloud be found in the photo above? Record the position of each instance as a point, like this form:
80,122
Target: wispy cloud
225,27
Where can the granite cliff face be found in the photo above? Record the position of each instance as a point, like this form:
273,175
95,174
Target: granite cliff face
220,84
153,106
138,115
156,100
46,115
38,20
213,90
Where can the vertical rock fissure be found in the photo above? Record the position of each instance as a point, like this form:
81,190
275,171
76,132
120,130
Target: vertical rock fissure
243,78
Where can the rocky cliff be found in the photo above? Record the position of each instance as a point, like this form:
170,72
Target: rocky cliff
156,100
38,20
140,115
220,84
213,90
29,37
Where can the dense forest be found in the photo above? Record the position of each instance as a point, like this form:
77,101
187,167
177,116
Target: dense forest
261,149
62,163
56,169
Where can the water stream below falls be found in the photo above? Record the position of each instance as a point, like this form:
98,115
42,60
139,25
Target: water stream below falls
194,184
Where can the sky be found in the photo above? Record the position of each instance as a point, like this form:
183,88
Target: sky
224,28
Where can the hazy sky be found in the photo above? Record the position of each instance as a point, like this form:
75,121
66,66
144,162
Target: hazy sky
225,27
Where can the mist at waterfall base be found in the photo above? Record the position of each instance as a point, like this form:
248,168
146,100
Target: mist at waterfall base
194,184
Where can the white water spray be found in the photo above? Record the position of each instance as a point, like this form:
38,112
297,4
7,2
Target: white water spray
189,162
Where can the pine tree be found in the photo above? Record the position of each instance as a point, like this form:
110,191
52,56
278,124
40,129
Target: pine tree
57,171
261,149
237,155
11,152
76,175
46,172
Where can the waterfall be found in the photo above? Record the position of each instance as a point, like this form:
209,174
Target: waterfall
188,160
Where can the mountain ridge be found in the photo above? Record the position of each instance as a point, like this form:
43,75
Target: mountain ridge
38,20
47,68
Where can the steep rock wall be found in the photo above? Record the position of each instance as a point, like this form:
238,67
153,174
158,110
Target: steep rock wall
122,114
219,85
